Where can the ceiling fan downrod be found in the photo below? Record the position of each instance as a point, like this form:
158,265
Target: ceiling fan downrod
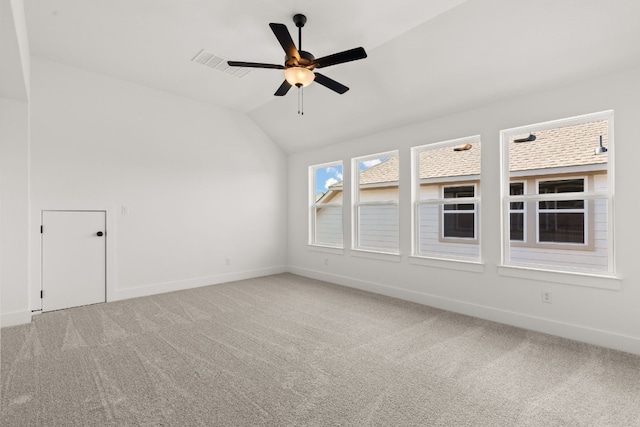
299,19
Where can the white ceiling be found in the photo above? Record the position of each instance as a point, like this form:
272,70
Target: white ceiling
426,58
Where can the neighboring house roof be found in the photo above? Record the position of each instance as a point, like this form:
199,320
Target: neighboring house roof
560,147
445,162
554,148
386,171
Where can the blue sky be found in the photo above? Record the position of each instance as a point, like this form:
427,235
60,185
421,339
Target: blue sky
326,177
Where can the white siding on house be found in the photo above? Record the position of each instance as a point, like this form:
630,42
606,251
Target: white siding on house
378,194
593,260
430,240
379,227
328,225
600,182
430,243
429,192
336,197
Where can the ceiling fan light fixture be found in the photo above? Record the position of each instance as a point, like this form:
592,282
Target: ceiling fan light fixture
299,76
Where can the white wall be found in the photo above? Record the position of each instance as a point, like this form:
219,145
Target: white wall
602,316
14,211
14,164
202,184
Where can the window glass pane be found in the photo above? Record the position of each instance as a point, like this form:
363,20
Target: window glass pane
561,204
328,181
378,179
459,225
447,171
516,189
455,192
562,234
459,207
561,186
550,254
326,216
328,228
376,203
561,227
378,227
449,165
516,225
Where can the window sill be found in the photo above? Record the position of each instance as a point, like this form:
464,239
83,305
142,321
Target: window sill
326,249
451,264
381,256
591,280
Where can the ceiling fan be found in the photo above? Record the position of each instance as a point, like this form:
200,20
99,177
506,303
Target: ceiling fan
299,65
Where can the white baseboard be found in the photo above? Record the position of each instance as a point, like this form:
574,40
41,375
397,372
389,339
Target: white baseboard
160,288
588,335
15,318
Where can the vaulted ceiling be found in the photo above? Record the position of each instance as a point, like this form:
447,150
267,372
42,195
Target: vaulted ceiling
426,58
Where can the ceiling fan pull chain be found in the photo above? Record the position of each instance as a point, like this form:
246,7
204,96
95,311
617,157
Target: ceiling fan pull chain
300,101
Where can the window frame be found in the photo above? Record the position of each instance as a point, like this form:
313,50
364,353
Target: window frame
525,217
562,273
432,258
314,205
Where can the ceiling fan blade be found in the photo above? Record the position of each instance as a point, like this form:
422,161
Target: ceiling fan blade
284,37
283,89
341,57
254,65
330,83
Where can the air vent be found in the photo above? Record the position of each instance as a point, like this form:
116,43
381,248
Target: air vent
218,63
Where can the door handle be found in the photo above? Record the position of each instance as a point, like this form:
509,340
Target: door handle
100,234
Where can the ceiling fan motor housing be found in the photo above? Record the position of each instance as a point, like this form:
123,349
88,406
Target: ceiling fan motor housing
306,60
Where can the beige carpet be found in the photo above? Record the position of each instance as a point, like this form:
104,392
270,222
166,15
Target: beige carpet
285,350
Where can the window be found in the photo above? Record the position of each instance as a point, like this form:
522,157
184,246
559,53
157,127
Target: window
561,221
325,194
558,210
458,220
375,203
516,212
446,196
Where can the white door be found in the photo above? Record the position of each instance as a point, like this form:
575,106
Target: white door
73,258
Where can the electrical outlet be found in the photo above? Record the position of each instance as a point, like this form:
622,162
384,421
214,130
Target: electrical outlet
227,261
547,297
326,261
